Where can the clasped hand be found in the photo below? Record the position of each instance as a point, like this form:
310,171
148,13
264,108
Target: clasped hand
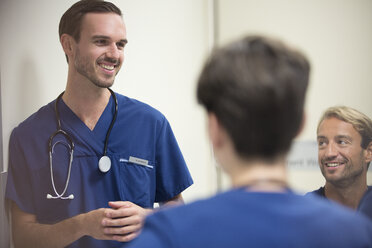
122,222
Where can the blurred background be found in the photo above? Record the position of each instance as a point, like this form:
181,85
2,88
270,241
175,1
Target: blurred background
168,43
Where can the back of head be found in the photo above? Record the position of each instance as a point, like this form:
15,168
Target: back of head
256,88
70,22
361,123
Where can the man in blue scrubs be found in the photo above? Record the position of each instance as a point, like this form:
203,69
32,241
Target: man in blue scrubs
344,139
254,90
87,207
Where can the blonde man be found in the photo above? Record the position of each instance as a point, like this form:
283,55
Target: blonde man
345,151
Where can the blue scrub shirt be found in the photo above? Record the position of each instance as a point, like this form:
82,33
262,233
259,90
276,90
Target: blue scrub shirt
140,131
365,204
240,219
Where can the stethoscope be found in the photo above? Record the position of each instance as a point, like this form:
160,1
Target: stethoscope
104,164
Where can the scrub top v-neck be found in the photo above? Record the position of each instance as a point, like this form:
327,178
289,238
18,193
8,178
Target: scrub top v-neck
147,165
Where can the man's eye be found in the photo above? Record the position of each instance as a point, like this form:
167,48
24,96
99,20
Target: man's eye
100,42
342,142
120,45
321,143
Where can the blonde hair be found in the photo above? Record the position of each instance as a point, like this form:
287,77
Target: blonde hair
361,122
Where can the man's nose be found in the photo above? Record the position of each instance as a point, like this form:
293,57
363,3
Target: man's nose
113,52
331,150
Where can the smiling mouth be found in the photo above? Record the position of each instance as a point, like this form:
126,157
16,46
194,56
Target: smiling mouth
333,164
107,67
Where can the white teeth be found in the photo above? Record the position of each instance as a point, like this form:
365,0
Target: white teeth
332,164
108,67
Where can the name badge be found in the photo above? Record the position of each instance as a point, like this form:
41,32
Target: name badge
138,161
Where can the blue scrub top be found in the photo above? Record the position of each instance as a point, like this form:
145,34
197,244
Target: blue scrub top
140,131
365,204
240,219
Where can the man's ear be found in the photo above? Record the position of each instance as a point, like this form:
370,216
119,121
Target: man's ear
368,156
214,131
67,42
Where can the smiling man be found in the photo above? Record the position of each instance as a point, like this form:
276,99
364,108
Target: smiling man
110,157
344,152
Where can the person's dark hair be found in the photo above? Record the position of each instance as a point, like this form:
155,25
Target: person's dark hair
71,20
256,88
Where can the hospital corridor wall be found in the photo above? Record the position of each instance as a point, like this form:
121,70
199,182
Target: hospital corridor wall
4,227
168,43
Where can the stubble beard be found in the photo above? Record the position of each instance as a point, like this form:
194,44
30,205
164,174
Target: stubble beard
347,177
84,68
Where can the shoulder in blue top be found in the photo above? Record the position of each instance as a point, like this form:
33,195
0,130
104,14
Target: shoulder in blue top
239,219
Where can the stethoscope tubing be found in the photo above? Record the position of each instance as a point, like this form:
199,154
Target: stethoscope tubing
68,173
71,146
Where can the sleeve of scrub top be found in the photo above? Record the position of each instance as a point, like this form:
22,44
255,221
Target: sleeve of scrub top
172,174
18,183
365,206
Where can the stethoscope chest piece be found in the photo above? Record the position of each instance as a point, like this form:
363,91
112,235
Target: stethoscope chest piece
104,164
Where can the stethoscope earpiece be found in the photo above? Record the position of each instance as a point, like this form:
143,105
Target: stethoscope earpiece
70,197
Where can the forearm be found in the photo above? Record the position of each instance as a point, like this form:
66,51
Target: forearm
177,200
61,234
27,232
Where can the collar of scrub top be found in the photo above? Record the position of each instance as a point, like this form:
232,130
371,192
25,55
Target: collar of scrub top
104,163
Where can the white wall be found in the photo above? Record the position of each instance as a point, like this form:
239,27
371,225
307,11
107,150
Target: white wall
337,37
168,41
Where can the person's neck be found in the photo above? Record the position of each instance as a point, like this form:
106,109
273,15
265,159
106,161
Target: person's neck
88,103
260,175
349,195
